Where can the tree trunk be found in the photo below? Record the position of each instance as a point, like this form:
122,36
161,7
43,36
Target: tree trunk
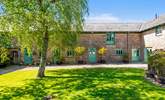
41,71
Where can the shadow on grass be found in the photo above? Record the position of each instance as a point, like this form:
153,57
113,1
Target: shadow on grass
35,89
80,84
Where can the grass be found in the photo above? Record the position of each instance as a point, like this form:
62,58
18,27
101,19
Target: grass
80,84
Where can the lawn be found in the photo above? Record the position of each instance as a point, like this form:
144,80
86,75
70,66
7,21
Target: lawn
80,84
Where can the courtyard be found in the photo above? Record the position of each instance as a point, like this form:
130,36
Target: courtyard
82,50
83,83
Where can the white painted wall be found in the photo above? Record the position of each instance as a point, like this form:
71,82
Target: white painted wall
156,42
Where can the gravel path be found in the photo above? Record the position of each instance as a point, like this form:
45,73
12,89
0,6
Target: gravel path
142,66
11,69
14,68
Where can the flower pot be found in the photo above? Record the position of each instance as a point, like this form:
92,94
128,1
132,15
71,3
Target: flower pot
125,61
102,61
59,63
80,62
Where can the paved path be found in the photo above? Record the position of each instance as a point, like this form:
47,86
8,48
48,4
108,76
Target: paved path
143,66
14,68
11,69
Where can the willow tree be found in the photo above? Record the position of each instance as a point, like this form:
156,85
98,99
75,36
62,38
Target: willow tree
44,23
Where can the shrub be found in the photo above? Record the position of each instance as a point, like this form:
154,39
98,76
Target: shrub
156,63
57,56
4,59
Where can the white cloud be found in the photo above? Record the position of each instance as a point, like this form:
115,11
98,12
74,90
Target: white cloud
135,21
103,18
108,18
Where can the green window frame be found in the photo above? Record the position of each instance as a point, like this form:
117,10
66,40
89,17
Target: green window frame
70,53
110,40
119,52
158,31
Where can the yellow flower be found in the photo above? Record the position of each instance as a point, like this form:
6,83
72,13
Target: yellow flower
102,51
80,50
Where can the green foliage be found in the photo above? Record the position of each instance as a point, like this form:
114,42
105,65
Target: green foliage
57,57
80,84
156,62
5,40
29,19
4,59
44,23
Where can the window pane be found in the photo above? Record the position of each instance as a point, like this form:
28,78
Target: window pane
158,30
119,52
138,53
70,52
110,38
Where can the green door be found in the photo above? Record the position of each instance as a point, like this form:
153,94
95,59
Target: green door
92,55
147,51
145,55
27,57
135,55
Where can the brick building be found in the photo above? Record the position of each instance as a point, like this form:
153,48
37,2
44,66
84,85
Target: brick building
133,39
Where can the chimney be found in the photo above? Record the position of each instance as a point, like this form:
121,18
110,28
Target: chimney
156,16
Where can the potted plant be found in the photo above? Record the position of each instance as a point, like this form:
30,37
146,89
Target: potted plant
125,58
102,52
79,52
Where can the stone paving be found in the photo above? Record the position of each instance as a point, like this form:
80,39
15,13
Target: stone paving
11,69
14,68
143,66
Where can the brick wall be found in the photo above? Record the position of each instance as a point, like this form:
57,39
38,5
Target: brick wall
97,40
125,41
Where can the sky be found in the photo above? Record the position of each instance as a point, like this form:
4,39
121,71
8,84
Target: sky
124,10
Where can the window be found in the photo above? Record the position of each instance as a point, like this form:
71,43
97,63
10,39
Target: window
158,31
110,38
149,50
119,52
135,55
138,53
70,53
